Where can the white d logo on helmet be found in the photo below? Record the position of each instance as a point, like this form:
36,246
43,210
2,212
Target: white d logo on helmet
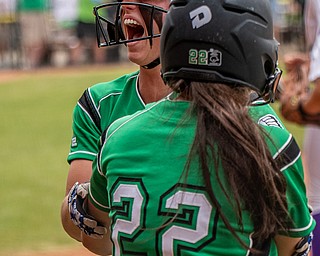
200,16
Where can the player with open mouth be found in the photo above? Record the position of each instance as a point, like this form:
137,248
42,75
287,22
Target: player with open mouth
132,23
137,24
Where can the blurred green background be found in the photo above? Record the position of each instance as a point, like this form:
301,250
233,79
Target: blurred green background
35,131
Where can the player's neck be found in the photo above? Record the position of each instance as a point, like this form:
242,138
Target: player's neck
151,85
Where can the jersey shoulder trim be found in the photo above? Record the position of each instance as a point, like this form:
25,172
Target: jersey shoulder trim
287,154
99,90
81,154
117,124
88,106
92,96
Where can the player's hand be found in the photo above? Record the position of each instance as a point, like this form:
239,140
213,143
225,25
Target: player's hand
295,88
295,60
77,199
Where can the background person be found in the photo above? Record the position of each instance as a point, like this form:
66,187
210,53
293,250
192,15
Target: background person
87,50
34,19
311,106
302,106
65,42
205,168
10,50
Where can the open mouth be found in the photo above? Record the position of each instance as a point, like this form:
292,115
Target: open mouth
134,29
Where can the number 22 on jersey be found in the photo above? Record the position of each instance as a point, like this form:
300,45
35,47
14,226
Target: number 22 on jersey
190,218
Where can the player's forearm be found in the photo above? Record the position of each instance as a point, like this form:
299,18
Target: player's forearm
99,246
80,170
286,245
71,229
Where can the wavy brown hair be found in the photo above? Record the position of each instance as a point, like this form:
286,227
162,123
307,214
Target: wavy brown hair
227,136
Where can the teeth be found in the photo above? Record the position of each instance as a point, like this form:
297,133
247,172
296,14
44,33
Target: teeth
131,22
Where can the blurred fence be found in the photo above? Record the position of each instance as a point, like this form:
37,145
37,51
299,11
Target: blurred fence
288,23
10,48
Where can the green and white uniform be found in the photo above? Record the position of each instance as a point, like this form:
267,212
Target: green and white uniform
98,107
102,104
138,179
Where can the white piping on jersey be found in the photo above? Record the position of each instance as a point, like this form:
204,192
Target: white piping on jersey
99,165
89,90
119,93
285,167
283,146
281,149
85,112
101,205
303,228
105,97
131,118
251,243
82,152
134,116
137,91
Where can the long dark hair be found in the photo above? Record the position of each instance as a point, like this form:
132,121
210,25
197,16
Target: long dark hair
227,136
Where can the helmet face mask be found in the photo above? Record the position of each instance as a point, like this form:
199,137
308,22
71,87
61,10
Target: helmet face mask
221,41
109,23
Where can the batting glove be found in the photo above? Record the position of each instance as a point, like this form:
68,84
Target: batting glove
77,199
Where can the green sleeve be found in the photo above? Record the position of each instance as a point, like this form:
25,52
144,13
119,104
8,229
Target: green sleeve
98,188
85,136
283,144
298,208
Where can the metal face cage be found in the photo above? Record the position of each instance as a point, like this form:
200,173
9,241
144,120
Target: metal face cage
109,23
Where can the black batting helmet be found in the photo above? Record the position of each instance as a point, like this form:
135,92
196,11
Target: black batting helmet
227,41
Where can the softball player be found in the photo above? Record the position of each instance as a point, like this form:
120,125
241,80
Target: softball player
103,103
199,172
311,146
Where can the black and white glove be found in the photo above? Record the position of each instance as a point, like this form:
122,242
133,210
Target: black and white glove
77,199
304,246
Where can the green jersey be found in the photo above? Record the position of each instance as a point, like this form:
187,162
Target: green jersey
102,104
97,108
155,209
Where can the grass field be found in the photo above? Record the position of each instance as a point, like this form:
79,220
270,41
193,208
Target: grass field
36,109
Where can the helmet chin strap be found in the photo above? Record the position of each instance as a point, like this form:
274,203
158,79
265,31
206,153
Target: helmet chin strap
152,64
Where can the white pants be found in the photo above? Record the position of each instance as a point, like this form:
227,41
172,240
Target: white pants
311,156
